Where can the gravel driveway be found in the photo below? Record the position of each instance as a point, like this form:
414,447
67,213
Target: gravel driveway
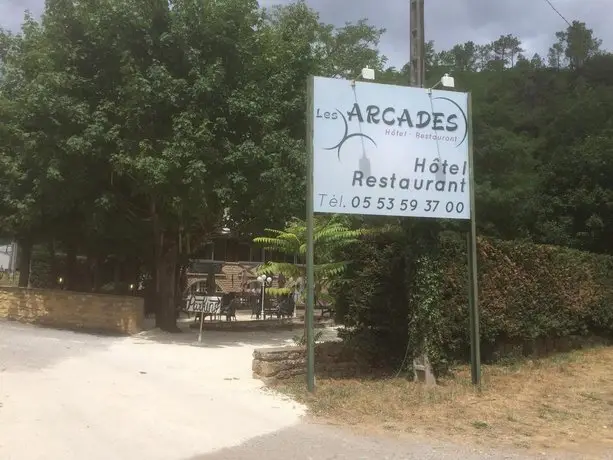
70,396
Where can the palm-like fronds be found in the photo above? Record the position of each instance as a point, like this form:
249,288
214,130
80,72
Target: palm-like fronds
329,237
331,269
287,269
335,232
276,244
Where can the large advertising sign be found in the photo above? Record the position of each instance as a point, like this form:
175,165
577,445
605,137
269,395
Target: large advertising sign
390,150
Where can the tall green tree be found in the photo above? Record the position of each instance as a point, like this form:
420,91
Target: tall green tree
578,43
506,49
140,129
292,44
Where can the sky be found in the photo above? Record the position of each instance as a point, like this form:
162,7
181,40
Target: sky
447,21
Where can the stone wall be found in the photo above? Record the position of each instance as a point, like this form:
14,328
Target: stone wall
273,365
332,359
73,310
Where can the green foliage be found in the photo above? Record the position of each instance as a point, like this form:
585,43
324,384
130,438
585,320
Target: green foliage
540,130
373,301
300,340
142,128
331,235
575,45
426,331
537,291
528,292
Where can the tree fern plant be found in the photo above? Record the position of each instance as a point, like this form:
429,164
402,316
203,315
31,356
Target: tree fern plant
331,234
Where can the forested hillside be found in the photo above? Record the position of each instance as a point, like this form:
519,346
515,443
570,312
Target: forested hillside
543,135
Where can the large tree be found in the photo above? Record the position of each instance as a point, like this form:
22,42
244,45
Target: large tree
140,129
578,44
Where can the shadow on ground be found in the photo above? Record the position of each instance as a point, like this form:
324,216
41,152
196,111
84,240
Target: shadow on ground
222,339
25,347
308,441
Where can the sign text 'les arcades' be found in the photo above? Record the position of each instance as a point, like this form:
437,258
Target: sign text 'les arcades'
401,118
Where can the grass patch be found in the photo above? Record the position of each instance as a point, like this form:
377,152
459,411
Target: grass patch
565,401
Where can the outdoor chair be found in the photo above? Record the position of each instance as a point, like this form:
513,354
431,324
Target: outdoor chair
271,307
229,306
256,308
326,309
286,307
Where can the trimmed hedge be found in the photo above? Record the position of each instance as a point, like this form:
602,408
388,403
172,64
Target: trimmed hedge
400,297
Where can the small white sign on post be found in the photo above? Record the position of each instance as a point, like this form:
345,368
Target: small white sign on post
204,305
390,150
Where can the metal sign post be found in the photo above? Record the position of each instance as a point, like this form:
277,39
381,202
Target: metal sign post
201,324
473,288
375,149
310,269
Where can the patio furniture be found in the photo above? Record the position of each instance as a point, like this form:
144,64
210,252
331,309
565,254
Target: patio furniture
229,305
256,307
326,309
271,306
286,307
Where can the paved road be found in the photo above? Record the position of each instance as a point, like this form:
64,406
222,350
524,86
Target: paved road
308,441
70,396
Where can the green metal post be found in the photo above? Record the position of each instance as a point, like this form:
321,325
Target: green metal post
310,274
473,289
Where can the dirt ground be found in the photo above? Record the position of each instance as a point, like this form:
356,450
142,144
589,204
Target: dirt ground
561,403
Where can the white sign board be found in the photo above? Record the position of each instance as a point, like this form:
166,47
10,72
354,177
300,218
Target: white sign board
389,150
203,304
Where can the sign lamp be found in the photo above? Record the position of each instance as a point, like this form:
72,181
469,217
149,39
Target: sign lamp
368,73
447,81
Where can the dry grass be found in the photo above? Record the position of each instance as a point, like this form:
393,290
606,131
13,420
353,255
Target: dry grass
562,402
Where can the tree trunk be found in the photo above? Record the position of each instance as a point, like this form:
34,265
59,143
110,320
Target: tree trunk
131,273
117,274
71,266
166,257
151,302
166,268
88,284
179,286
96,275
25,260
53,268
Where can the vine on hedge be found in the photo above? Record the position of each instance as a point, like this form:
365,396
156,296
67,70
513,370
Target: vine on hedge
426,316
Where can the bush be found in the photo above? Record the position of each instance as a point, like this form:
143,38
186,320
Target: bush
372,299
41,271
531,292
399,297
